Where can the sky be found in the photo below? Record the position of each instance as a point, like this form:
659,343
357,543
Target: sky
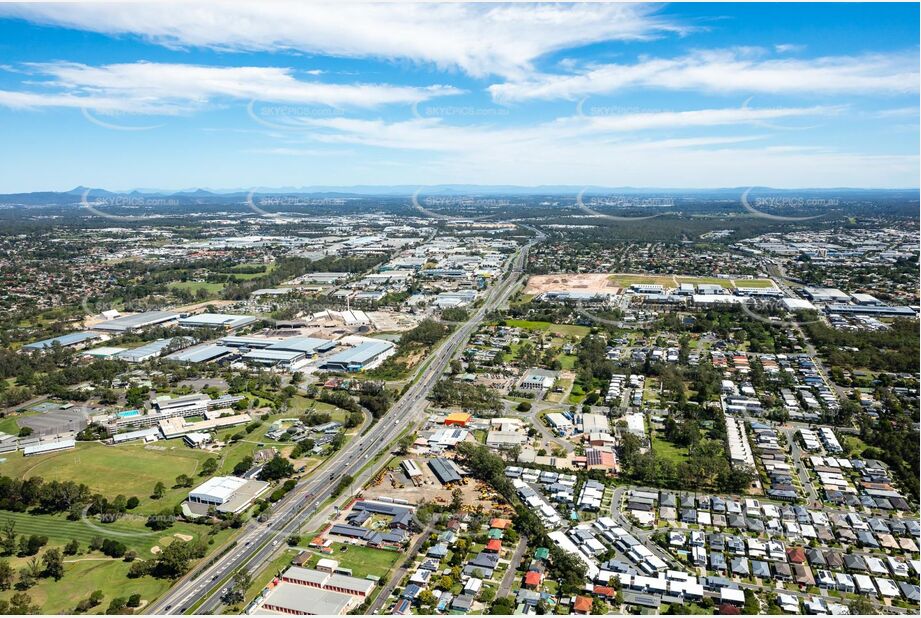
235,96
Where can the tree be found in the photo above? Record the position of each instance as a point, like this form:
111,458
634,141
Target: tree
54,563
132,503
405,442
117,605
134,600
21,603
242,466
457,500
158,491
446,582
72,548
8,541
29,546
344,482
277,468
184,480
426,598
209,467
239,583
861,606
139,569
6,575
160,521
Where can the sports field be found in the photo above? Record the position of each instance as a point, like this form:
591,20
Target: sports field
563,330
128,469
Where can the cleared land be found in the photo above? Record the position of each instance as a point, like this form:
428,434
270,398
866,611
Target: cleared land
581,282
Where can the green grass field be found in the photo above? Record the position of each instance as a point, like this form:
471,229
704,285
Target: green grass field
567,361
194,286
9,425
129,469
563,330
666,450
363,561
82,578
623,280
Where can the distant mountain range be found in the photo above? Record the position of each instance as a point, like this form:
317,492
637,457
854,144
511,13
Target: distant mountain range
446,189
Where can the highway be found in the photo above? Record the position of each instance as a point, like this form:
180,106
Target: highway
261,541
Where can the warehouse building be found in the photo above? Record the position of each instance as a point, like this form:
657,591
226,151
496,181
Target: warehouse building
137,321
360,357
445,470
252,343
65,341
826,295
216,320
205,353
281,359
297,600
153,349
227,494
881,310
310,346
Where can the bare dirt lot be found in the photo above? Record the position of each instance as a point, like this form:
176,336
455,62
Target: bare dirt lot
571,282
395,484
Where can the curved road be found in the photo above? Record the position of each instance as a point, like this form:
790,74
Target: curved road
260,542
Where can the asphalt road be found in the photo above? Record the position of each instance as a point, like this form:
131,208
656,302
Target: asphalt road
261,541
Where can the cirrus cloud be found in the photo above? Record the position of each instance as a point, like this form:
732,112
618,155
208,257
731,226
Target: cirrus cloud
166,88
727,71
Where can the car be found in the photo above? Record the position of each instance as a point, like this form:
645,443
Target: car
274,543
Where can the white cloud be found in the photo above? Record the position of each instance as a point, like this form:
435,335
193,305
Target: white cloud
640,149
786,48
153,88
433,134
727,71
479,39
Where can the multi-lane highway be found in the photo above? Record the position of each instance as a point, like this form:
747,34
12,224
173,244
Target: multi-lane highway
260,542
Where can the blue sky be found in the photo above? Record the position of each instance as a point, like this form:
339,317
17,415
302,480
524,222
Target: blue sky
290,95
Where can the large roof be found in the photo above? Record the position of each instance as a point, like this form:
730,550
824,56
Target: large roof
307,600
138,320
200,354
62,340
308,345
148,349
217,319
273,356
220,487
360,354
